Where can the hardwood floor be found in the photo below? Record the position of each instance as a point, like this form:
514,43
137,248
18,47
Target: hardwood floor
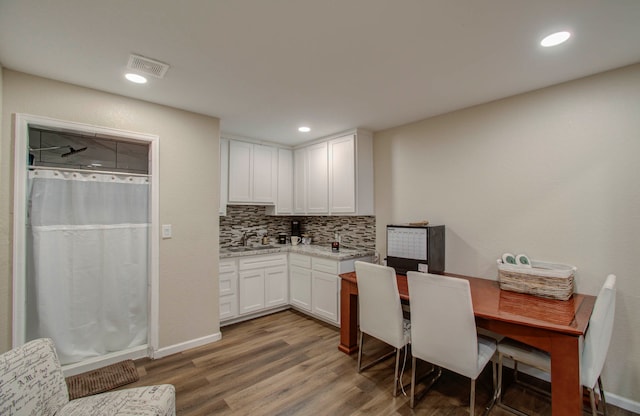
289,364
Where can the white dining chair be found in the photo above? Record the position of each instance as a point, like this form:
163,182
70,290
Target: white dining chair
380,313
594,352
443,329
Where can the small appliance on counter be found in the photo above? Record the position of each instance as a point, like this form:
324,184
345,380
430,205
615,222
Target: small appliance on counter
335,245
419,248
296,228
282,238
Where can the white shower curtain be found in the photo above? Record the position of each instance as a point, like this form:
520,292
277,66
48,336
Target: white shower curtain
88,254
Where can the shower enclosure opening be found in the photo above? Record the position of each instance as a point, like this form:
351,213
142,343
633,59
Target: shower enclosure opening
88,258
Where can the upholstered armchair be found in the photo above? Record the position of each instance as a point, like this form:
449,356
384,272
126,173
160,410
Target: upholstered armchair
32,383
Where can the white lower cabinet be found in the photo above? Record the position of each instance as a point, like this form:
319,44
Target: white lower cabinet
300,287
325,289
251,290
253,284
263,282
228,292
315,284
275,286
325,301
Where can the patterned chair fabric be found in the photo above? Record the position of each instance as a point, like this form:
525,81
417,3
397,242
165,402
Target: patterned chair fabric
32,383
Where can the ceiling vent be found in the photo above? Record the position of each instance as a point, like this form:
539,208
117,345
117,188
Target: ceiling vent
147,66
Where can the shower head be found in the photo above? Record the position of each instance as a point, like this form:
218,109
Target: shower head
73,151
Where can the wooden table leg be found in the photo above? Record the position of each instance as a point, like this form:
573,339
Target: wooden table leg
566,389
348,317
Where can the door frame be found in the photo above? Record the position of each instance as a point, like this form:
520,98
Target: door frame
22,122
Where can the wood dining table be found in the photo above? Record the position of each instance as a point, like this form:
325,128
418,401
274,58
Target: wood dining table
550,325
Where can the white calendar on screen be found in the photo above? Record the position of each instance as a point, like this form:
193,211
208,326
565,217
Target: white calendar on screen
408,243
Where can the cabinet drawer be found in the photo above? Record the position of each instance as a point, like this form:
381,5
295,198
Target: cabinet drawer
324,265
228,283
228,307
300,260
260,262
227,266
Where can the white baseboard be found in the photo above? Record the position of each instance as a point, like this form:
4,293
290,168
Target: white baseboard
254,315
613,399
183,346
622,402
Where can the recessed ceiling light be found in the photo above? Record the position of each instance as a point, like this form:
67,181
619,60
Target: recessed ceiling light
304,129
555,39
138,79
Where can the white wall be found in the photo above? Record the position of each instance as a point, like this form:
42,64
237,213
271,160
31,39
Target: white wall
189,177
554,173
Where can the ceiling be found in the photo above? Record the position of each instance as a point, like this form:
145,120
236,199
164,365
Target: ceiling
265,67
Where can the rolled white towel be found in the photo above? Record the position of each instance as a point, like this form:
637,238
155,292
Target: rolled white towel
508,258
523,261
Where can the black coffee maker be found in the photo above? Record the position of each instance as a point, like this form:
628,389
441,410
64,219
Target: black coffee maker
296,229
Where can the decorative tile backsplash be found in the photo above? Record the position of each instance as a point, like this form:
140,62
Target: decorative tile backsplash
355,231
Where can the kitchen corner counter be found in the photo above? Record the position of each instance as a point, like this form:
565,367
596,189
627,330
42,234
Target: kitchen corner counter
310,250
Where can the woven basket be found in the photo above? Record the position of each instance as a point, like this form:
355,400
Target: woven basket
547,280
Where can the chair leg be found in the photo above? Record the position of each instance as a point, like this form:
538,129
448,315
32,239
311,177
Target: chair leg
360,351
395,376
592,400
604,402
499,387
373,362
472,398
492,402
413,382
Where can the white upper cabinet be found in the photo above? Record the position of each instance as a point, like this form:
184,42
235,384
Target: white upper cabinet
335,176
342,179
252,173
240,171
317,179
331,176
311,179
265,171
284,200
299,181
224,175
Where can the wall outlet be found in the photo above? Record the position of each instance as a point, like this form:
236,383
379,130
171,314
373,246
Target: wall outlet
424,268
166,231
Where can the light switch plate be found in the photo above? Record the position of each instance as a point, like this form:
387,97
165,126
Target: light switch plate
166,230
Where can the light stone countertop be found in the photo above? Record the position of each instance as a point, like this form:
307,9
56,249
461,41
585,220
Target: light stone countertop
309,250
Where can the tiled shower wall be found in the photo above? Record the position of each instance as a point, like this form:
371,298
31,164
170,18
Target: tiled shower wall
355,231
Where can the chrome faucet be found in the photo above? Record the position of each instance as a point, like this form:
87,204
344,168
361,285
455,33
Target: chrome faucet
245,238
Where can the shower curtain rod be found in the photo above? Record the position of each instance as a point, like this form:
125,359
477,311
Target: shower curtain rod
104,172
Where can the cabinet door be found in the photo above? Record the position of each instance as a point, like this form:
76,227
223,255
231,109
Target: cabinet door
284,203
240,171
300,287
342,175
326,293
317,183
264,174
224,176
251,290
275,282
299,181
